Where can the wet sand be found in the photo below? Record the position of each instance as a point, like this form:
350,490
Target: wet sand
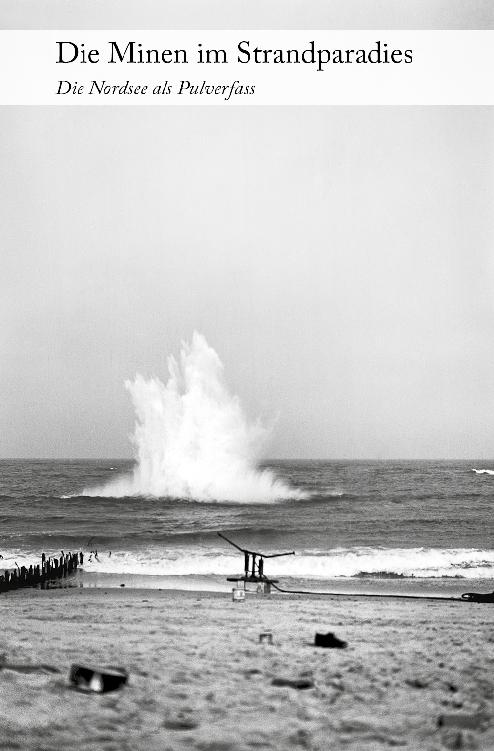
200,679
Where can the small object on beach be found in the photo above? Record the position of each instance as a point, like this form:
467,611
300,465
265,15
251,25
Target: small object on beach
417,682
238,594
96,680
478,597
266,637
299,683
462,720
263,588
329,640
122,585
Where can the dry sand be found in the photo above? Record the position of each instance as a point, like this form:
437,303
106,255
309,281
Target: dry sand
200,679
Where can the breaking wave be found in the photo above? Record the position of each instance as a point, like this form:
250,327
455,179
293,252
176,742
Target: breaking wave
340,562
483,471
365,562
192,439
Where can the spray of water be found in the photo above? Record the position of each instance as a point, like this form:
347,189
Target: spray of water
192,439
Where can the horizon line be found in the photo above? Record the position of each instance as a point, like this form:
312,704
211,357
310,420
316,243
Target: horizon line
263,461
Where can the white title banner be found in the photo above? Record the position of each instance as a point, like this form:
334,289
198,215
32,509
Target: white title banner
246,67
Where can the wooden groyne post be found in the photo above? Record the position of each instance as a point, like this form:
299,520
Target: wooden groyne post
36,576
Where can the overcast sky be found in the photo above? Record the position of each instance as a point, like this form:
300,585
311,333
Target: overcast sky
247,14
340,261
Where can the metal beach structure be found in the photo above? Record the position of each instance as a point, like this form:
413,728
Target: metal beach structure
253,570
254,575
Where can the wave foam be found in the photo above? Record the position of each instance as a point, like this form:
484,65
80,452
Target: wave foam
466,563
483,471
341,562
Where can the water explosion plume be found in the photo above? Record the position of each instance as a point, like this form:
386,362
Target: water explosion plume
192,439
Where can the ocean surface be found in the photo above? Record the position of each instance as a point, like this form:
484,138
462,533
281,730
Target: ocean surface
391,526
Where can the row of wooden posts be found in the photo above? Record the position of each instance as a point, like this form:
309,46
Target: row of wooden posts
40,575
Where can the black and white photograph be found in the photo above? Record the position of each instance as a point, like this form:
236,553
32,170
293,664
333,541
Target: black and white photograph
246,414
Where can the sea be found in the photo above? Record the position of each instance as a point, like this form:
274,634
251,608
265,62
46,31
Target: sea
414,527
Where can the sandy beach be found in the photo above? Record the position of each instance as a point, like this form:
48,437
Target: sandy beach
200,679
